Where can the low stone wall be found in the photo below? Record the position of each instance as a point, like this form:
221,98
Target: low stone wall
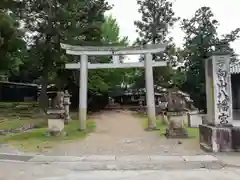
236,138
205,136
195,119
219,139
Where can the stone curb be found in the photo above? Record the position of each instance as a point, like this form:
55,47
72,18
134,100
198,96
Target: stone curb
106,158
15,157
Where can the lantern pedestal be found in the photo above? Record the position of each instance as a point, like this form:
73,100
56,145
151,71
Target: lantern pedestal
176,127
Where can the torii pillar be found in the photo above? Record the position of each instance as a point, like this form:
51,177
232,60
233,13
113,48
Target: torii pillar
83,66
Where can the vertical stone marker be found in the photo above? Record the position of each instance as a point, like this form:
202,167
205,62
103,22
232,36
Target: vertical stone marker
216,134
218,89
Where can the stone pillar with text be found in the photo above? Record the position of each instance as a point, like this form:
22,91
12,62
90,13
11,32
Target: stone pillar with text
216,133
218,90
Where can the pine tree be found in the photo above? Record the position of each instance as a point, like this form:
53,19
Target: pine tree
201,38
158,18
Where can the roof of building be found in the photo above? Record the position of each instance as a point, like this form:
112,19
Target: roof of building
18,83
235,68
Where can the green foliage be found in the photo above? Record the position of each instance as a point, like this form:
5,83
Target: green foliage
79,22
49,23
200,40
32,53
158,18
12,45
37,140
106,79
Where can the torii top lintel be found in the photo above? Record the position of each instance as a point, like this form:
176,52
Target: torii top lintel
113,50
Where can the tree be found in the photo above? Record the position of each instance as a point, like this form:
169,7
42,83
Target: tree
53,21
158,18
12,46
201,39
106,79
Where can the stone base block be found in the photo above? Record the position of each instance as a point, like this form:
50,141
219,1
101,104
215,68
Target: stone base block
194,119
176,133
236,139
55,126
219,139
152,129
176,127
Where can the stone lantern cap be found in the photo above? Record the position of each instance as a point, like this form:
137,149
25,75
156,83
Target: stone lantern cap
66,94
222,49
66,98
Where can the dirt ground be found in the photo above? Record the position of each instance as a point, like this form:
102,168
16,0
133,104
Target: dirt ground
121,133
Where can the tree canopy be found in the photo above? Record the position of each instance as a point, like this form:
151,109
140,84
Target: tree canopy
12,46
31,32
201,38
158,18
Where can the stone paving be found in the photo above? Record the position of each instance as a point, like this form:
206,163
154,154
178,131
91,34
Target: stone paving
136,162
197,174
122,133
108,154
71,171
119,167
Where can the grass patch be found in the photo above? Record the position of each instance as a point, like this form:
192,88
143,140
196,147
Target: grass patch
192,132
11,124
20,110
18,104
14,115
37,140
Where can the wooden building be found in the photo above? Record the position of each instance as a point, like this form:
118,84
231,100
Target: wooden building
18,92
131,96
235,80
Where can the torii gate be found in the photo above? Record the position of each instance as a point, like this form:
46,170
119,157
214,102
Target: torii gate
115,51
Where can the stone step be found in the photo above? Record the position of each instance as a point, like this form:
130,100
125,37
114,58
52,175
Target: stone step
150,165
112,162
123,158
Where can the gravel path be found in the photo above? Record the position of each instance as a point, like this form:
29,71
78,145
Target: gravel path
121,133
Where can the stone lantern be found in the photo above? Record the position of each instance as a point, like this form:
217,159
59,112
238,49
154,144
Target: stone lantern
176,115
66,104
56,116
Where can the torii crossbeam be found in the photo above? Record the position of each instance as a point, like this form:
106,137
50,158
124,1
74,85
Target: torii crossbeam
84,65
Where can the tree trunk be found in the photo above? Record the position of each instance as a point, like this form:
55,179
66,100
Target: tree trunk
43,100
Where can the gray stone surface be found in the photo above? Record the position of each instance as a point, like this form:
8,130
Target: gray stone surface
200,158
41,158
195,119
199,174
15,157
213,165
166,158
29,171
133,158
229,159
99,158
83,166
107,158
124,170
183,166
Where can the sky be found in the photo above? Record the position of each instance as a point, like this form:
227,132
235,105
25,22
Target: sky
226,12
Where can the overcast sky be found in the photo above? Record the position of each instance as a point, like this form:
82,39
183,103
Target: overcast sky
226,12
